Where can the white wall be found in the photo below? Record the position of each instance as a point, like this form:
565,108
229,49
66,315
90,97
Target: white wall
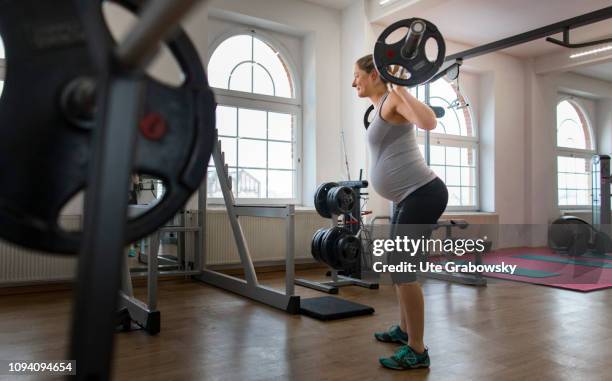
545,91
355,44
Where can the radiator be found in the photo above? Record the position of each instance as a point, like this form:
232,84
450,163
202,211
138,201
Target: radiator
265,239
22,266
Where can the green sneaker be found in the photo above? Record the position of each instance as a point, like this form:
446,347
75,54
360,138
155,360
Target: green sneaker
405,358
393,335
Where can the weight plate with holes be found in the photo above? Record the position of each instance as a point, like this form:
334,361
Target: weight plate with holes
340,200
329,244
315,246
348,250
419,68
46,144
320,199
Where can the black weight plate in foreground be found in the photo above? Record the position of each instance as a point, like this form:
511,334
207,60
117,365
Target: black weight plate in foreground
44,157
420,68
320,199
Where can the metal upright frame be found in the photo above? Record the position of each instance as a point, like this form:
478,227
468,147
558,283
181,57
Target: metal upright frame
601,193
146,314
100,262
250,286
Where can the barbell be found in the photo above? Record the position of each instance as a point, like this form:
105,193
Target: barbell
405,62
368,117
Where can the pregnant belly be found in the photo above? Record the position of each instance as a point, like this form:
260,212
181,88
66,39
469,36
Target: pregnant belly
388,185
393,183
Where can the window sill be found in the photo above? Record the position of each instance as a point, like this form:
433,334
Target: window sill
298,209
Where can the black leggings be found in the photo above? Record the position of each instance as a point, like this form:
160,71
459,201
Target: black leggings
413,218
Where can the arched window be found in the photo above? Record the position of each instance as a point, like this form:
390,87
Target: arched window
248,64
453,147
574,151
257,118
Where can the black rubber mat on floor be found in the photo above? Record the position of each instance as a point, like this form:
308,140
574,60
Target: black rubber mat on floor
332,308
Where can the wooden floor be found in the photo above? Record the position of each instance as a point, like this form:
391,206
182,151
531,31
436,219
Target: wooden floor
506,331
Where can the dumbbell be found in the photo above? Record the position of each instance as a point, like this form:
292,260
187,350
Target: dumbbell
333,199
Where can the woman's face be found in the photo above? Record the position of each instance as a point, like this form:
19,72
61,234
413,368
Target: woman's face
362,82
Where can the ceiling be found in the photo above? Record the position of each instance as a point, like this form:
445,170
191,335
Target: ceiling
601,71
477,22
336,4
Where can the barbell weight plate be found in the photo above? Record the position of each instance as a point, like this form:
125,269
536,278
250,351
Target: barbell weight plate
340,200
418,66
320,199
329,244
315,245
44,155
348,250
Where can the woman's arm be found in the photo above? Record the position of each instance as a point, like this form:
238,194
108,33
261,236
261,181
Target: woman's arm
413,110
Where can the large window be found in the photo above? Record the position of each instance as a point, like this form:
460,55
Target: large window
574,151
257,119
453,147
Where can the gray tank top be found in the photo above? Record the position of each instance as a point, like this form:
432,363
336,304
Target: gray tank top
397,167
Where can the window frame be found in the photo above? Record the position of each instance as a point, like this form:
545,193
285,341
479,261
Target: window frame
586,154
450,140
262,102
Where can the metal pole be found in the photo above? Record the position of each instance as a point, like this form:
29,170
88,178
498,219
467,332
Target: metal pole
243,251
101,252
200,254
158,19
290,260
152,271
427,133
536,34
